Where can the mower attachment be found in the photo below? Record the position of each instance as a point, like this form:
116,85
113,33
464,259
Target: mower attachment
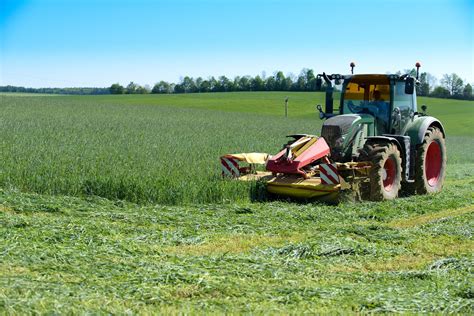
299,154
301,170
243,166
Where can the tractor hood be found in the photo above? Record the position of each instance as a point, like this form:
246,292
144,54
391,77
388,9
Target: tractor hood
340,131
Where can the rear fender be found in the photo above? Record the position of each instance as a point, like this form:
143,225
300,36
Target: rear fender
416,131
419,126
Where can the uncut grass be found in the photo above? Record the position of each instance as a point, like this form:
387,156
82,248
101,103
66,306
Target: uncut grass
73,255
138,153
158,149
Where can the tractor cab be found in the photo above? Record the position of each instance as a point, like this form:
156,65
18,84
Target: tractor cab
368,94
389,99
371,105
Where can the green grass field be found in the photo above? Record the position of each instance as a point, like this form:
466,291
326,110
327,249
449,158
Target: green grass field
114,204
163,149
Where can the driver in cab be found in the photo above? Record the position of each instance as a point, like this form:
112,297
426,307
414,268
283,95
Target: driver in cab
377,96
382,107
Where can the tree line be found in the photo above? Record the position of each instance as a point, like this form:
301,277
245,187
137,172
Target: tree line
76,91
278,82
450,85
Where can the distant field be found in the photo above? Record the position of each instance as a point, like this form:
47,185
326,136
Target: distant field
114,204
301,105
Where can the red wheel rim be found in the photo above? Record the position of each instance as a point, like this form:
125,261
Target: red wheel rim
433,163
389,173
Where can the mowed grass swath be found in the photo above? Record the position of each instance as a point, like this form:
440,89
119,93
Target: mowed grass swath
91,255
165,148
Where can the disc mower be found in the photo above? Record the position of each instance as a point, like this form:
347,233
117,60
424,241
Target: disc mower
374,146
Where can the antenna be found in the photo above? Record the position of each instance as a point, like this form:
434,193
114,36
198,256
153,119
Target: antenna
352,67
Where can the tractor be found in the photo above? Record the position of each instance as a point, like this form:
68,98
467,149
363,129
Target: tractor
374,146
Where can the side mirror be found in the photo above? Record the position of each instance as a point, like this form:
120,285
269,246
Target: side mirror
319,83
409,85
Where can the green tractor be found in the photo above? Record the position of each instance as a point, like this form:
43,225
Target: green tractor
378,121
375,145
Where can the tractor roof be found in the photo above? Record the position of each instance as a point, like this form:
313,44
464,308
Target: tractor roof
373,78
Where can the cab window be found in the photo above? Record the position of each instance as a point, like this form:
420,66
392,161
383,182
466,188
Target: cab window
369,95
365,97
402,100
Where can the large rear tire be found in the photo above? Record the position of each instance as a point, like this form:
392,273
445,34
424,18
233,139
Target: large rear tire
430,165
386,171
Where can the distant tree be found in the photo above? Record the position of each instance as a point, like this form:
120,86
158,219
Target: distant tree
431,80
205,86
453,84
288,83
245,83
236,84
225,84
440,92
423,89
116,89
189,85
214,84
131,88
141,90
198,84
270,84
172,86
179,88
467,92
162,87
300,84
310,79
257,84
279,81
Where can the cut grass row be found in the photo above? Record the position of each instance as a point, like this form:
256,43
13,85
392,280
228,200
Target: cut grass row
161,149
72,255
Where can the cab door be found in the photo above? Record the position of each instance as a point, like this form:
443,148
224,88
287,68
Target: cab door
402,110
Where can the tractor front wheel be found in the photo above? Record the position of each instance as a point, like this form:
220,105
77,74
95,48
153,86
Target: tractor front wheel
430,168
385,173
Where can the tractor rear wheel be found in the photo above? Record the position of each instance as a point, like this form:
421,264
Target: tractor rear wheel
386,171
430,165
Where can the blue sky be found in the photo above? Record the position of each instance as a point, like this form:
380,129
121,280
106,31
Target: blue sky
53,43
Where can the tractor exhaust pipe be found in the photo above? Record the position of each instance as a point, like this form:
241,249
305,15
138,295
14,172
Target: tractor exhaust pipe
329,98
